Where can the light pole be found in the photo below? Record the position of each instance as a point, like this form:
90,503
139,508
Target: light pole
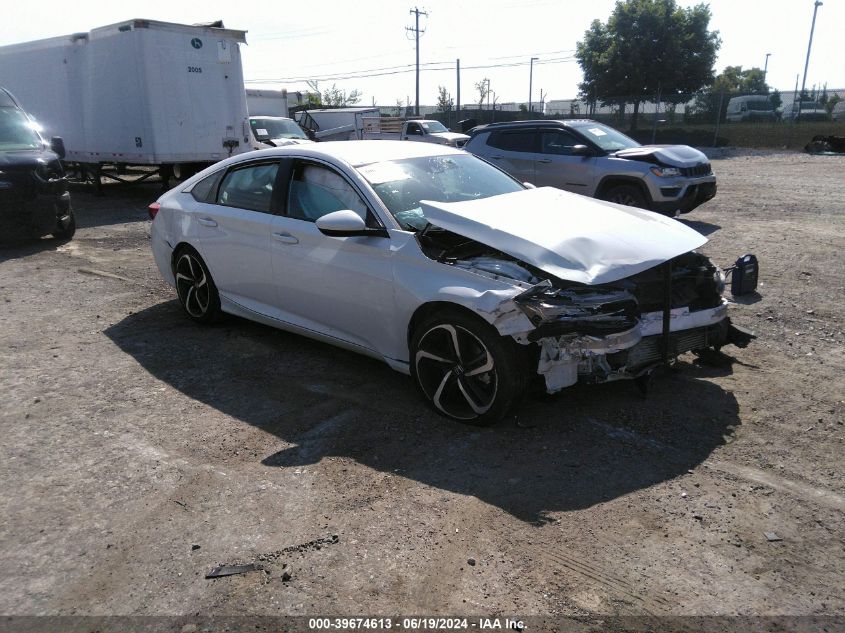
816,6
766,66
531,82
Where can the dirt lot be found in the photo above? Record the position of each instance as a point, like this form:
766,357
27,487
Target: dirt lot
140,450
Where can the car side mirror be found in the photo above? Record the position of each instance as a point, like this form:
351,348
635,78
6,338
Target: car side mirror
57,145
581,150
529,185
346,223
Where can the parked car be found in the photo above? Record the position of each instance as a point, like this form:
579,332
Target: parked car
838,112
442,266
427,131
750,108
595,160
276,131
346,124
34,199
810,111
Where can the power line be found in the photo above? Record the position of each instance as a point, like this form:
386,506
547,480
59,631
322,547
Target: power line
407,68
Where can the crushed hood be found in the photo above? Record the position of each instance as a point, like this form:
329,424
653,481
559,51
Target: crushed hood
669,155
567,235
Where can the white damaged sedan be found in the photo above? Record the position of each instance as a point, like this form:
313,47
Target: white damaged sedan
441,265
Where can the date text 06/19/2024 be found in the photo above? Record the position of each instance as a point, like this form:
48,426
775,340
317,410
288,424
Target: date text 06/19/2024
416,623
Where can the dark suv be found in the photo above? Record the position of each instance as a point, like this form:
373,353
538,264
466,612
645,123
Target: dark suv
34,199
595,160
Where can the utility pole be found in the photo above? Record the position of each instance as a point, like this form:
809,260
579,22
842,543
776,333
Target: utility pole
459,88
766,67
531,81
416,31
488,93
816,6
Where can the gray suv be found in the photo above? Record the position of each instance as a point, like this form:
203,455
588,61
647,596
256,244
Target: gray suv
595,160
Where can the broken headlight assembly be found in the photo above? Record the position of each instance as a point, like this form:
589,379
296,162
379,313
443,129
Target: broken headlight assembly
588,311
665,172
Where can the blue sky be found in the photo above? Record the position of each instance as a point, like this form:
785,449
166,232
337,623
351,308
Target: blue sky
334,40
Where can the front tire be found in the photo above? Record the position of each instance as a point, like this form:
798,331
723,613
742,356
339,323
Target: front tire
465,369
195,287
628,195
65,230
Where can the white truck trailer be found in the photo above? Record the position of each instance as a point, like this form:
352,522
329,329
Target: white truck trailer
139,92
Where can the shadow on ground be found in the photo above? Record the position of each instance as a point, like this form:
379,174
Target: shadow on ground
590,445
705,228
119,203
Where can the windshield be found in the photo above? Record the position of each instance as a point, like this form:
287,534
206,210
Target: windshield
605,137
16,131
434,126
276,128
401,184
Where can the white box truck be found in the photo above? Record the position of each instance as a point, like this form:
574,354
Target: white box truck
267,102
139,92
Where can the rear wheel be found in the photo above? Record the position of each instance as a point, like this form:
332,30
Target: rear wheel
465,369
629,195
195,287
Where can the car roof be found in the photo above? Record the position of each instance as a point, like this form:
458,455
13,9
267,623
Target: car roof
357,153
533,123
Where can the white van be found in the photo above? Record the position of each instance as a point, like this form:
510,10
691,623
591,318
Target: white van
750,108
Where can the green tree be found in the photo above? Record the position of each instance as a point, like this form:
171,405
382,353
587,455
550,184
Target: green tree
335,97
736,81
731,82
483,88
646,47
444,101
776,99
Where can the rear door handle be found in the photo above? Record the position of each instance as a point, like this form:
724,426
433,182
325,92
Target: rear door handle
544,160
497,157
287,238
206,221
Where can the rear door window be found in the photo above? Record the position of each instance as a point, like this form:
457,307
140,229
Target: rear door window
249,187
514,140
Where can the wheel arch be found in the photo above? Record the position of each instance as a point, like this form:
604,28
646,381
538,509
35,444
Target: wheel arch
430,308
177,250
609,182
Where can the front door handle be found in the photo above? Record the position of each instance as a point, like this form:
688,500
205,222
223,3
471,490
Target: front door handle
206,221
545,160
287,238
497,157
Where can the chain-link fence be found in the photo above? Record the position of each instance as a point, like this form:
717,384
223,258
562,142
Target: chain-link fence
703,119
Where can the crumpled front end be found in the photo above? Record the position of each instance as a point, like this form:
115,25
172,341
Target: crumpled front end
595,334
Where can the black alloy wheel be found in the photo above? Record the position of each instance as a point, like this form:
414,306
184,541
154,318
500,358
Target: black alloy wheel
465,369
195,287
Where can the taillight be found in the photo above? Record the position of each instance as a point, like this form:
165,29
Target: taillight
153,209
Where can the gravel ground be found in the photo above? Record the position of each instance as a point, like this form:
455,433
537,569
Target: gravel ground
139,450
